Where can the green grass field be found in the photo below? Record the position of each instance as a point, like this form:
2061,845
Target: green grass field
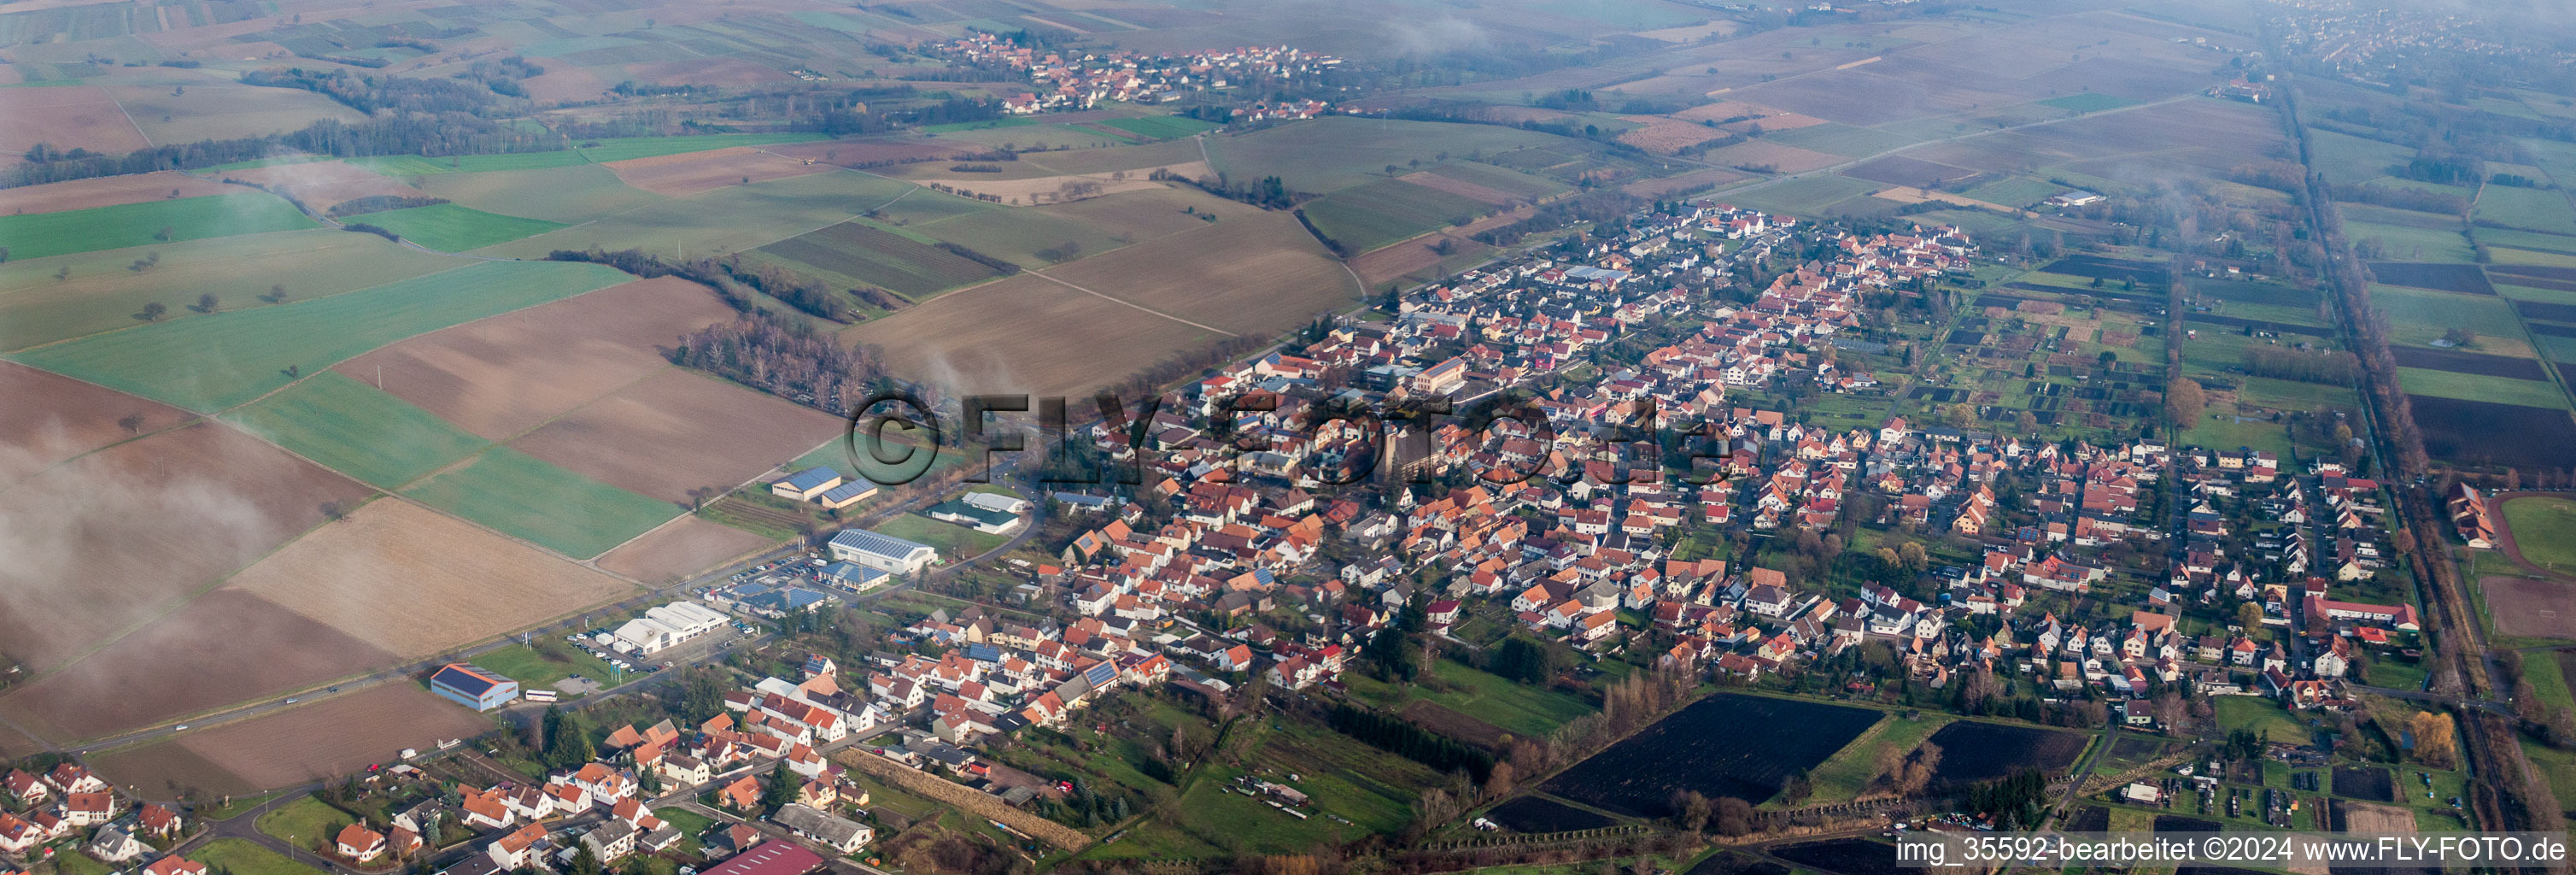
451,228
1336,152
351,427
100,294
2402,243
2478,387
2418,316
304,822
729,219
576,193
2088,102
1850,770
533,670
552,507
243,857
2530,208
1161,127
2544,528
1368,216
209,363
2348,159
1521,709
37,235
1806,196
955,542
2261,715
2015,191
611,149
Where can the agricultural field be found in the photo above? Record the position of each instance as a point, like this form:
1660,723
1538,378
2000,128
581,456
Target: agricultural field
691,173
2527,208
415,581
1497,703
542,503
731,219
66,296
679,430
65,116
323,185
355,429
1369,216
1729,744
680,548
1849,772
502,376
100,556
217,361
1160,127
1336,152
1974,751
2475,387
863,253
2465,430
1256,275
108,191
53,418
576,193
451,228
2417,318
37,235
989,339
330,736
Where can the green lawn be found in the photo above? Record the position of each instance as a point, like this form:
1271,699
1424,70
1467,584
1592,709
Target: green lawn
241,857
2262,715
452,228
1369,216
74,862
2544,528
209,363
1161,127
2535,209
2088,102
2477,387
37,235
522,663
1850,770
304,822
1521,709
533,499
352,427
954,541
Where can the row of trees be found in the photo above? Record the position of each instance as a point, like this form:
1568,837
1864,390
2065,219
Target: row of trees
784,358
2330,367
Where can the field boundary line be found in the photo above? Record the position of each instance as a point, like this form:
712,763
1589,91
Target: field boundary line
1133,304
129,117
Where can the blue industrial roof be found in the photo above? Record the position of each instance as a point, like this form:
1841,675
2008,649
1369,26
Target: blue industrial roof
467,679
887,546
850,490
852,573
811,478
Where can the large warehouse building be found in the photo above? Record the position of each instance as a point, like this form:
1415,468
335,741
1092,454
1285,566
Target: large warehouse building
885,553
667,626
473,687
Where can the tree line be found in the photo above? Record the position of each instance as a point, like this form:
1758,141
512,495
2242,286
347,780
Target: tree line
789,359
1409,740
2330,367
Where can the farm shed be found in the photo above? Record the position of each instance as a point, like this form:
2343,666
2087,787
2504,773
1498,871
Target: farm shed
806,484
473,687
885,553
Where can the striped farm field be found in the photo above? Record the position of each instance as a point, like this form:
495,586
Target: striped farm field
212,362
452,228
1376,214
604,151
895,261
1161,127
545,504
142,224
1511,182
353,428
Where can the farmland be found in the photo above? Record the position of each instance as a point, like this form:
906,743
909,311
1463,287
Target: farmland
507,374
1259,274
868,255
1333,153
545,504
2462,430
67,296
113,561
706,433
54,418
67,116
1368,216
37,235
691,173
1728,744
353,428
1025,334
574,193
327,737
414,581
107,191
682,547
451,228
221,360
731,219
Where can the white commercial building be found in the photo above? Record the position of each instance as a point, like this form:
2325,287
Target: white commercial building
667,626
885,553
